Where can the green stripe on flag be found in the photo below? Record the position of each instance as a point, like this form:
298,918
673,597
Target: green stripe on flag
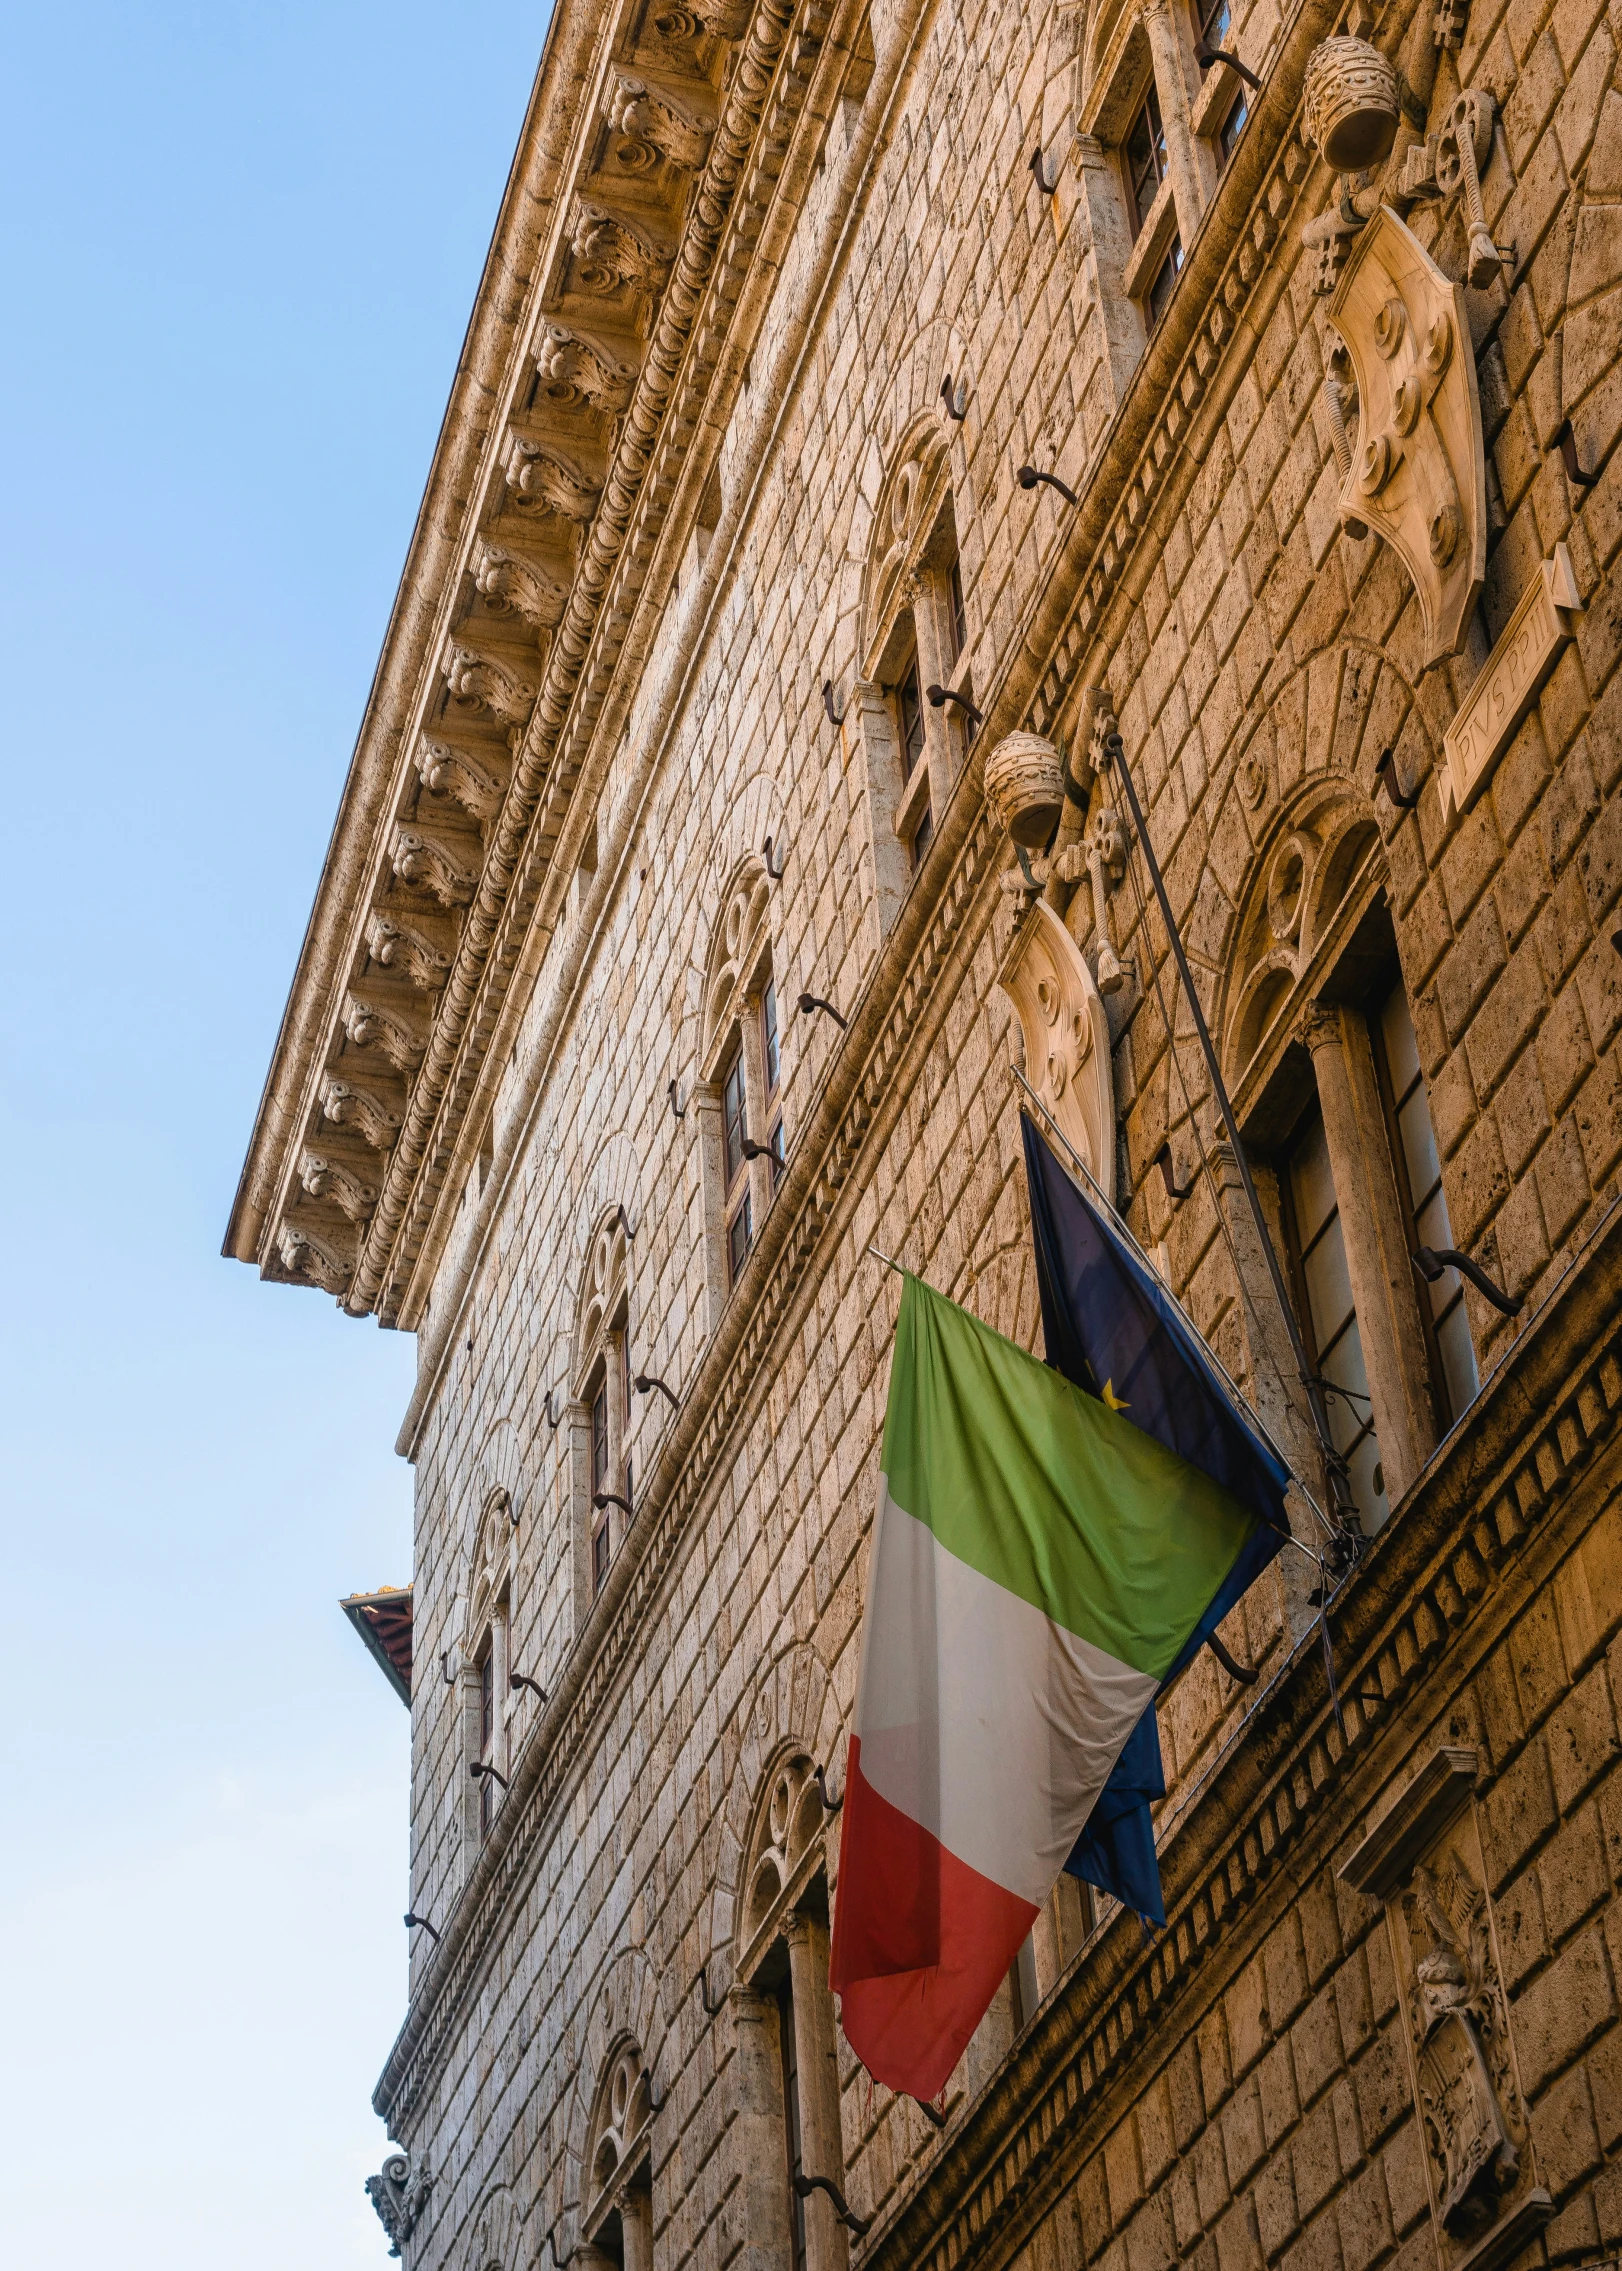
1047,1492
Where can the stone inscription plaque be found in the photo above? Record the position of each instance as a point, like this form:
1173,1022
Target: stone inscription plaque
1510,682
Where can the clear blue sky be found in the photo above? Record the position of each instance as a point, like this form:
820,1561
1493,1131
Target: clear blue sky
240,248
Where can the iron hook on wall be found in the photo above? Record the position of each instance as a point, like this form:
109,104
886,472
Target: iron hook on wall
1040,172
1175,1191
673,1091
1566,443
752,1150
1029,475
479,1769
416,1923
552,1417
776,873
1431,1261
939,696
1385,772
624,1221
522,1679
835,717
445,1672
1209,57
602,1498
804,2186
560,2262
646,1382
829,1805
956,398
1245,1674
809,1002
702,1983
930,2112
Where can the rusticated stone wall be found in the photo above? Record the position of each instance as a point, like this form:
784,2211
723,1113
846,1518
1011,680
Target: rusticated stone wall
1242,2094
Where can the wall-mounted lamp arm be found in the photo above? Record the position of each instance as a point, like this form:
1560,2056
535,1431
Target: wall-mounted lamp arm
415,1923
1029,475
479,1769
522,1679
804,2186
835,717
829,1805
602,1498
673,1091
956,398
1245,1674
1431,1261
752,1150
1209,57
930,2112
702,1983
809,1002
776,873
646,1382
939,696
624,1221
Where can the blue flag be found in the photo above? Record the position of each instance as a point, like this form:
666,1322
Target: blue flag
1111,1327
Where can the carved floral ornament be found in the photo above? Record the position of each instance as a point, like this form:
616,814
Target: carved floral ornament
1423,1860
399,2194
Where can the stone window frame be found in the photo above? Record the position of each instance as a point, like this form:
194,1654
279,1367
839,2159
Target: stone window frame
616,2182
601,1364
1314,938
485,1658
742,969
781,1977
1144,48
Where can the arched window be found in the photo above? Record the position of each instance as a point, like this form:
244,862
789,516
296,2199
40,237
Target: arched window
1325,1069
603,1471
785,2021
486,1693
740,1100
617,2187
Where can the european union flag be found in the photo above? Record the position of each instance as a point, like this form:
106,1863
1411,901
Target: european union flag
1111,1327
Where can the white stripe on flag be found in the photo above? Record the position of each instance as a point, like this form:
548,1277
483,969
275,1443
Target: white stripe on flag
979,1717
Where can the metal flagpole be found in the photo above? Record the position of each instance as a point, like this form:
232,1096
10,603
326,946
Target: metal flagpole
1336,1466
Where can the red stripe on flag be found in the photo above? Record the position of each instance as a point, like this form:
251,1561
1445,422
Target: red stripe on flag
921,1942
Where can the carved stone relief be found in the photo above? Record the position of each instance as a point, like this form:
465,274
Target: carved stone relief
610,250
658,116
511,585
1066,1036
419,945
542,480
442,863
1418,472
1423,1860
618,2139
573,367
476,780
399,2195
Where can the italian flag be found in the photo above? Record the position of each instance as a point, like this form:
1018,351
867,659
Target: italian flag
1038,1563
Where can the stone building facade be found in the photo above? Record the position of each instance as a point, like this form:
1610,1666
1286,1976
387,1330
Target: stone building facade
672,954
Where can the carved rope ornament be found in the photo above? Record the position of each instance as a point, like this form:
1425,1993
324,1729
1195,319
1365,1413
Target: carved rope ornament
1418,471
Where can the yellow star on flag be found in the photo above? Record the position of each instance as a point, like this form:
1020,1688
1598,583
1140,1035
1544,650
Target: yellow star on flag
1115,1402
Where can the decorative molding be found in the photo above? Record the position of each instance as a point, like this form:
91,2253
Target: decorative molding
1431,1802
487,686
444,864
1509,682
325,1172
399,2195
477,783
320,1251
374,1108
420,946
572,366
393,1023
511,585
541,479
1418,476
610,250
1066,1034
649,111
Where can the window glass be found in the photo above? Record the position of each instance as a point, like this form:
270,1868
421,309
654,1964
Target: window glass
779,1156
910,719
1145,158
1216,21
740,1233
599,1440
768,1036
1022,1985
1419,1176
732,1116
1319,1254
1232,127
1165,277
599,1553
923,836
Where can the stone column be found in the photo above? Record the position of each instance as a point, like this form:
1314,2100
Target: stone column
755,2235
827,2244
1100,223
705,1112
1188,188
945,742
635,2205
1377,1253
